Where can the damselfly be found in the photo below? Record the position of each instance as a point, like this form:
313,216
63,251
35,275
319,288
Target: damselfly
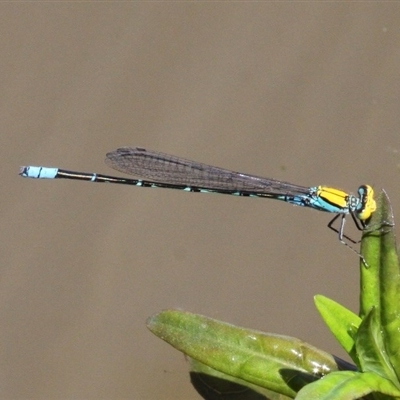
171,172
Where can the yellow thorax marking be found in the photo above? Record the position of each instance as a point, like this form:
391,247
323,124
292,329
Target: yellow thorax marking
333,196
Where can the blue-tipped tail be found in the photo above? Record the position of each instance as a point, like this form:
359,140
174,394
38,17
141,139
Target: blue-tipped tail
38,172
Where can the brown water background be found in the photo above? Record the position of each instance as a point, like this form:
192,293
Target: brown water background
306,92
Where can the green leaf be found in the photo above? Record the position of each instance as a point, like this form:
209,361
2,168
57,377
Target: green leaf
342,322
380,280
390,289
236,363
378,247
371,349
214,385
347,385
278,363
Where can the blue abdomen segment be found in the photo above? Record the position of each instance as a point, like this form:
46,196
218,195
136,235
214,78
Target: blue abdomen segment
297,200
39,172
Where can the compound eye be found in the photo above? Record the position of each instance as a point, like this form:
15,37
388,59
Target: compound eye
367,202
